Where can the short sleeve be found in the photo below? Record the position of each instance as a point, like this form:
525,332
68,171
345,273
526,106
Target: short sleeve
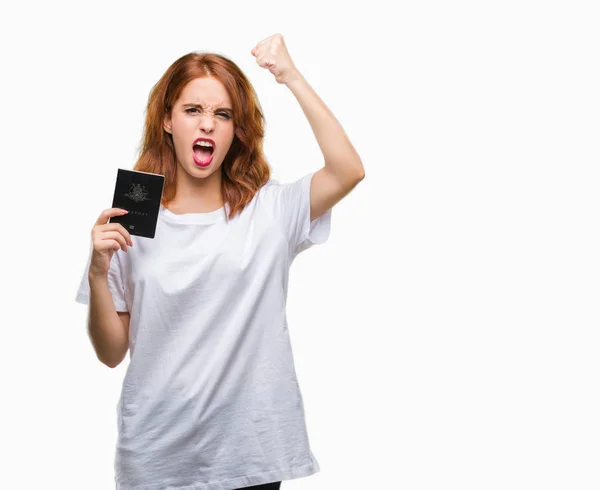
291,204
115,282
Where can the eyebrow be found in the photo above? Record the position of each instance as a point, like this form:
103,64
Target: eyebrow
201,106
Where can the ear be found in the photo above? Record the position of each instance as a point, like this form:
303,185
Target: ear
167,123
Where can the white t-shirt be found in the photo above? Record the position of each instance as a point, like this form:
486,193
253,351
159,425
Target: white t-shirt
210,398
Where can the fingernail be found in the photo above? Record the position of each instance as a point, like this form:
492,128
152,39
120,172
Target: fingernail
124,211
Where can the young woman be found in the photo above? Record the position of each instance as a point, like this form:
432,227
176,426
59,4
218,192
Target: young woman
210,399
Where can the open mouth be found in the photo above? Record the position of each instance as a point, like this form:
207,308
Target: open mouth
203,153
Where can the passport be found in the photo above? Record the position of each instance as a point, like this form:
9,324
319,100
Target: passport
140,193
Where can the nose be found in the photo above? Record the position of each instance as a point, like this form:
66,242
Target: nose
206,123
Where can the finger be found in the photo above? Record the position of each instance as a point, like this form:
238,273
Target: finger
259,45
114,245
120,228
126,234
109,213
267,63
115,235
264,41
258,51
109,245
102,245
262,61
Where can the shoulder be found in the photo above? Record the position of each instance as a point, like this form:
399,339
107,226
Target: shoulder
269,186
268,190
275,188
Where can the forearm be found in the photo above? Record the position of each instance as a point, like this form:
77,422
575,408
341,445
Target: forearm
106,331
339,154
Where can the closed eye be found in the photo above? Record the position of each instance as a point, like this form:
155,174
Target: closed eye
225,114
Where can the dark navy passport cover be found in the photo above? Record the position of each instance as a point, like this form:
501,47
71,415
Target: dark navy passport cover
139,193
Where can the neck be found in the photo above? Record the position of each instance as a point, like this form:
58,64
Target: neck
197,195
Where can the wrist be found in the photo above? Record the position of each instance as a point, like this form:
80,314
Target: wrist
295,78
95,276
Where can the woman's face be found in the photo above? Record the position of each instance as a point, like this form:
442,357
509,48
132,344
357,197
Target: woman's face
203,110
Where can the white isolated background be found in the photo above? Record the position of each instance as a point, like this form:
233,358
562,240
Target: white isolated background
445,337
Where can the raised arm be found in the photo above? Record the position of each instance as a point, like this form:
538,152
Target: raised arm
343,168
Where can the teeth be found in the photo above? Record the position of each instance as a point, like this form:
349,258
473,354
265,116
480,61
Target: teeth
204,143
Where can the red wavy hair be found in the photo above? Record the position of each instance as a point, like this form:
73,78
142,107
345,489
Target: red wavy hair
245,169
